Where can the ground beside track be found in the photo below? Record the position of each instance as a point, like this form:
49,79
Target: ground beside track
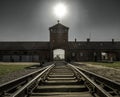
103,69
115,65
12,70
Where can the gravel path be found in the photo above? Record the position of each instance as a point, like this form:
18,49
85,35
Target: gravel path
17,74
111,73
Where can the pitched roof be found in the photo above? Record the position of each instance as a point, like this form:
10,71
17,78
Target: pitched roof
94,45
71,45
24,45
59,25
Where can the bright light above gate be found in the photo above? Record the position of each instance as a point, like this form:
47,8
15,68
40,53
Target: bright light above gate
60,10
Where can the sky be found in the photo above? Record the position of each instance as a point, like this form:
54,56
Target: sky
29,20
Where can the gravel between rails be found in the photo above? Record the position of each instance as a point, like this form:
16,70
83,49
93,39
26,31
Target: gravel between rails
110,73
14,75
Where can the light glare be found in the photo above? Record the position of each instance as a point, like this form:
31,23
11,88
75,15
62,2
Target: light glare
60,10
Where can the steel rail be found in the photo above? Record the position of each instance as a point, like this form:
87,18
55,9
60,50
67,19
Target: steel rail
25,87
4,88
115,86
97,89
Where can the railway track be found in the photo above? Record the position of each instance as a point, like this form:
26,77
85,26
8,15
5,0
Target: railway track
58,80
109,85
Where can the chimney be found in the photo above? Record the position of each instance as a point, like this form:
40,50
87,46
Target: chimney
88,39
75,40
113,40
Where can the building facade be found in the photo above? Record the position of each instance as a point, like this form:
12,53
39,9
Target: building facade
73,50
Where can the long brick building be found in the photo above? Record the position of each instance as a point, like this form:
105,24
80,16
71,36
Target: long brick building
73,50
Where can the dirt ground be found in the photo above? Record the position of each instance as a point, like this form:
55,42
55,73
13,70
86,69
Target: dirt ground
111,73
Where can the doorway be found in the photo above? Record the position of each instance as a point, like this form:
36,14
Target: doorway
59,54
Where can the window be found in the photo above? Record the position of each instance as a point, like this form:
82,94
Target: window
51,30
79,44
101,44
81,54
53,40
94,54
73,54
65,30
55,30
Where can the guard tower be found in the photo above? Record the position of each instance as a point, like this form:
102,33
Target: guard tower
58,37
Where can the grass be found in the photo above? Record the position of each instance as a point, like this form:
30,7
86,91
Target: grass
113,65
8,68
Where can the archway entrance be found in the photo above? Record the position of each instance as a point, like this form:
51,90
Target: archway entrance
59,54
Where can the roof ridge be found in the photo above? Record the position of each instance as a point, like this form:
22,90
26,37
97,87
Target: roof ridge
59,24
